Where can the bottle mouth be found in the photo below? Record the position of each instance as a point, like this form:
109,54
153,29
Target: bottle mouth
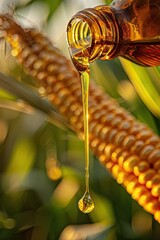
84,33
79,35
91,36
79,38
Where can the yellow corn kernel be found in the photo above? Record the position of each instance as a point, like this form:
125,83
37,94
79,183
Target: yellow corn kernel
146,176
130,163
138,192
156,191
155,180
141,167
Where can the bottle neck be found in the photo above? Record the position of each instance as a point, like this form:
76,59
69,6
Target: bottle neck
93,34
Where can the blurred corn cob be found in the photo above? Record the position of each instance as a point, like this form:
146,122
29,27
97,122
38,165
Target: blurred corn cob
128,149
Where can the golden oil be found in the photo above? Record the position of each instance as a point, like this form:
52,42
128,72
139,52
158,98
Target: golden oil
86,203
81,62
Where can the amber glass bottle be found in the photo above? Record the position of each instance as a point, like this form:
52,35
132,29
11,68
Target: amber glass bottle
126,28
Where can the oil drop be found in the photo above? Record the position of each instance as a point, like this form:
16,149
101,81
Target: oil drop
86,204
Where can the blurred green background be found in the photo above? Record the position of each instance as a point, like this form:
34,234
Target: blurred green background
42,165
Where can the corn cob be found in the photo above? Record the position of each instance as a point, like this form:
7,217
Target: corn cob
127,148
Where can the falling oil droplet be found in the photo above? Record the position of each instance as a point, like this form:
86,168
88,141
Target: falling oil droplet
86,204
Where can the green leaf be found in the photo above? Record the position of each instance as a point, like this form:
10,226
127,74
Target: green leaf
144,85
52,4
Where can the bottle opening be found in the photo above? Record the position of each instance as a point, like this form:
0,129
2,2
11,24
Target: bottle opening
92,34
79,37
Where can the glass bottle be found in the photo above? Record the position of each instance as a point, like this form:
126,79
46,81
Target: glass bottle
126,28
